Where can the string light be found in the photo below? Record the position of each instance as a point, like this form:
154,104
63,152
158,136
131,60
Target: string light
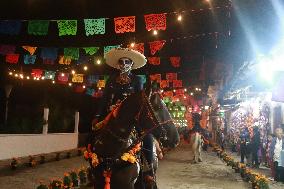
85,68
37,79
50,77
70,84
73,72
98,61
42,78
62,74
100,88
191,94
16,75
196,89
28,77
84,86
179,18
155,32
10,73
161,90
21,76
174,90
185,90
34,78
53,82
132,45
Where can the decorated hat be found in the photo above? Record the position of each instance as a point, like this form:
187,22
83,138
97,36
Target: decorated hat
112,57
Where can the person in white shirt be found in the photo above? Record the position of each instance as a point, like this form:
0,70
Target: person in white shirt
277,146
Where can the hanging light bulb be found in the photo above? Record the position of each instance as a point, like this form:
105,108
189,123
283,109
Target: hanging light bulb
196,89
62,74
132,45
191,94
73,72
185,90
85,68
10,73
50,77
42,78
28,77
37,79
16,75
179,18
100,88
98,61
34,78
70,84
174,90
161,90
84,86
53,82
155,32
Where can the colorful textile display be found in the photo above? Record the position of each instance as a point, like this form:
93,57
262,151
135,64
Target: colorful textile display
92,79
78,78
37,73
171,76
63,77
38,27
175,61
49,75
138,47
12,58
64,60
154,60
124,24
7,49
252,113
48,53
94,26
177,83
156,21
30,49
48,61
164,84
91,50
67,27
72,53
90,91
101,84
10,27
155,77
155,46
29,59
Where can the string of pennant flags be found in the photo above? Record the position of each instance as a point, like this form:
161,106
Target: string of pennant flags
95,26
66,55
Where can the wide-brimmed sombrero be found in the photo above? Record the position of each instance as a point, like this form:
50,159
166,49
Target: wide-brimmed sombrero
112,57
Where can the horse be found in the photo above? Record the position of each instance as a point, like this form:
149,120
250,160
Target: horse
112,142
196,141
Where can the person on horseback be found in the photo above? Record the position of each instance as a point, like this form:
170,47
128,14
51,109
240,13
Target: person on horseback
118,87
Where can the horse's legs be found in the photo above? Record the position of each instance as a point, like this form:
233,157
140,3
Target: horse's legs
199,149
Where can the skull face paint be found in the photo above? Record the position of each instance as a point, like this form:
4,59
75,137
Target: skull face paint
125,65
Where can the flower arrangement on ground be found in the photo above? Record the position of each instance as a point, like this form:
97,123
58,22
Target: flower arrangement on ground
56,184
14,163
74,178
42,186
82,173
67,181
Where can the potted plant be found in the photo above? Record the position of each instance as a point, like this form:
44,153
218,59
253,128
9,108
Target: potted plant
68,155
42,186
67,181
82,173
32,161
57,156
14,163
42,159
74,178
56,184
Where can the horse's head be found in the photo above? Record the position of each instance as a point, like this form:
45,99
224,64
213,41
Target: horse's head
158,113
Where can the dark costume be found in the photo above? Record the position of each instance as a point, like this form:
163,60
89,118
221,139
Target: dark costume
115,92
255,144
244,144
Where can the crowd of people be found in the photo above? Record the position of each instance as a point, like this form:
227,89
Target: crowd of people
255,151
